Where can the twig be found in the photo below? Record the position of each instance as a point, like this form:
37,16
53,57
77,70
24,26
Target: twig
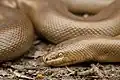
22,76
87,72
97,70
71,71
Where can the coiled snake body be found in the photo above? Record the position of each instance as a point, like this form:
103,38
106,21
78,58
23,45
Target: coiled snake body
92,38
16,33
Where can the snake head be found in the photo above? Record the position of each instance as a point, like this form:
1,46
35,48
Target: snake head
59,58
53,58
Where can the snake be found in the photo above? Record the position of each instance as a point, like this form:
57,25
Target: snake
76,39
14,36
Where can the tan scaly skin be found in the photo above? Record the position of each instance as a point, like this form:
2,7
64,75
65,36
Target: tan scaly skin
52,20
16,33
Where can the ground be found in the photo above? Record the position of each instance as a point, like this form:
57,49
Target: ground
31,67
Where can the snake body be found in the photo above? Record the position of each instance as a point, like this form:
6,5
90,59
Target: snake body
16,33
57,24
86,6
52,20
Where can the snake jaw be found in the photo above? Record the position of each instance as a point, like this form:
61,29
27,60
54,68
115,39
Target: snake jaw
53,58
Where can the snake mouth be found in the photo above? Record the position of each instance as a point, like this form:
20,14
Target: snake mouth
53,58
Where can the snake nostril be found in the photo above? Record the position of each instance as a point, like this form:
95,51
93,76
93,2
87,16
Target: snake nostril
46,59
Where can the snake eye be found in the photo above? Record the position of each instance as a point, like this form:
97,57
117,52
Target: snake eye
60,54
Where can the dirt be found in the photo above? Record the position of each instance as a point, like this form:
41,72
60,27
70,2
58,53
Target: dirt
31,67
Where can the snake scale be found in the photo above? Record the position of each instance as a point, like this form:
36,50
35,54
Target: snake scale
77,39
